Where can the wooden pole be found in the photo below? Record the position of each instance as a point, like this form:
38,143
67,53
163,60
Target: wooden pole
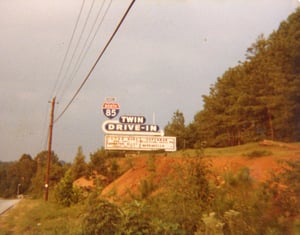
49,148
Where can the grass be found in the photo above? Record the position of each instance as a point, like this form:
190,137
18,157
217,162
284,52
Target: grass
40,217
241,150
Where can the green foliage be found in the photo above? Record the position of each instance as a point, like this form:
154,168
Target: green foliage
136,221
57,171
102,217
184,198
188,202
258,153
15,177
65,193
177,128
26,168
257,99
8,181
282,195
79,167
113,170
98,161
209,224
176,210
151,163
146,187
160,226
27,176
237,203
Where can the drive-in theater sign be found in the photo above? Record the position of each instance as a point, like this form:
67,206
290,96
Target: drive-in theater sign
131,132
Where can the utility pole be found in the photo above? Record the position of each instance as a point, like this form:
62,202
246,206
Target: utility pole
49,148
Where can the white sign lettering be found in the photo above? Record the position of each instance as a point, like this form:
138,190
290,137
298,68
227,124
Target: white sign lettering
115,127
132,119
141,143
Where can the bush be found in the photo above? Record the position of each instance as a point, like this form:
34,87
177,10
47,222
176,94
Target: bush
65,193
102,217
258,153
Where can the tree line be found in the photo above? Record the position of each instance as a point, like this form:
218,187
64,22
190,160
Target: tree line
257,99
27,175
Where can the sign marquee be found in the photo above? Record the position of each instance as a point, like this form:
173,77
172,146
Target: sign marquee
132,132
146,143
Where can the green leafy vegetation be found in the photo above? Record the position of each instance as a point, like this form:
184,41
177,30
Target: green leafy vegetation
66,193
258,153
189,202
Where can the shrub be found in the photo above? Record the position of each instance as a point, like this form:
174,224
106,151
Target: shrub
258,153
65,193
102,217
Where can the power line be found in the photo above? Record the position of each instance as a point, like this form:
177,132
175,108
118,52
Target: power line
96,62
68,48
87,44
44,132
79,40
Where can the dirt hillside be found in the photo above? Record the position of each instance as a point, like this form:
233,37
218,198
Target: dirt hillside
139,168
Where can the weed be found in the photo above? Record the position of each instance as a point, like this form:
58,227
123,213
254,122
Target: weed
258,153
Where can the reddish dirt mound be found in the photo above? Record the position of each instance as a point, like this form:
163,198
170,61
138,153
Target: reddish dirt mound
260,168
84,183
129,183
141,168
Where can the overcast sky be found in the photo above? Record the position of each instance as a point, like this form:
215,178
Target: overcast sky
165,57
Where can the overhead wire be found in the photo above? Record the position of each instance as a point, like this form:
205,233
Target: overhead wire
77,44
58,77
87,44
68,49
96,62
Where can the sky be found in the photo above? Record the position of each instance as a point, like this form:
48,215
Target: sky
165,56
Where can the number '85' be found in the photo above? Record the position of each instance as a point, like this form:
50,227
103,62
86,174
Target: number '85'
110,113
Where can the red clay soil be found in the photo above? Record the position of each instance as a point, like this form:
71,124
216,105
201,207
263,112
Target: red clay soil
260,168
139,168
143,167
128,184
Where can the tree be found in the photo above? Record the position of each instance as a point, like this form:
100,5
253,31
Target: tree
259,98
79,167
186,196
8,179
26,169
177,128
15,177
98,161
65,193
57,171
136,220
